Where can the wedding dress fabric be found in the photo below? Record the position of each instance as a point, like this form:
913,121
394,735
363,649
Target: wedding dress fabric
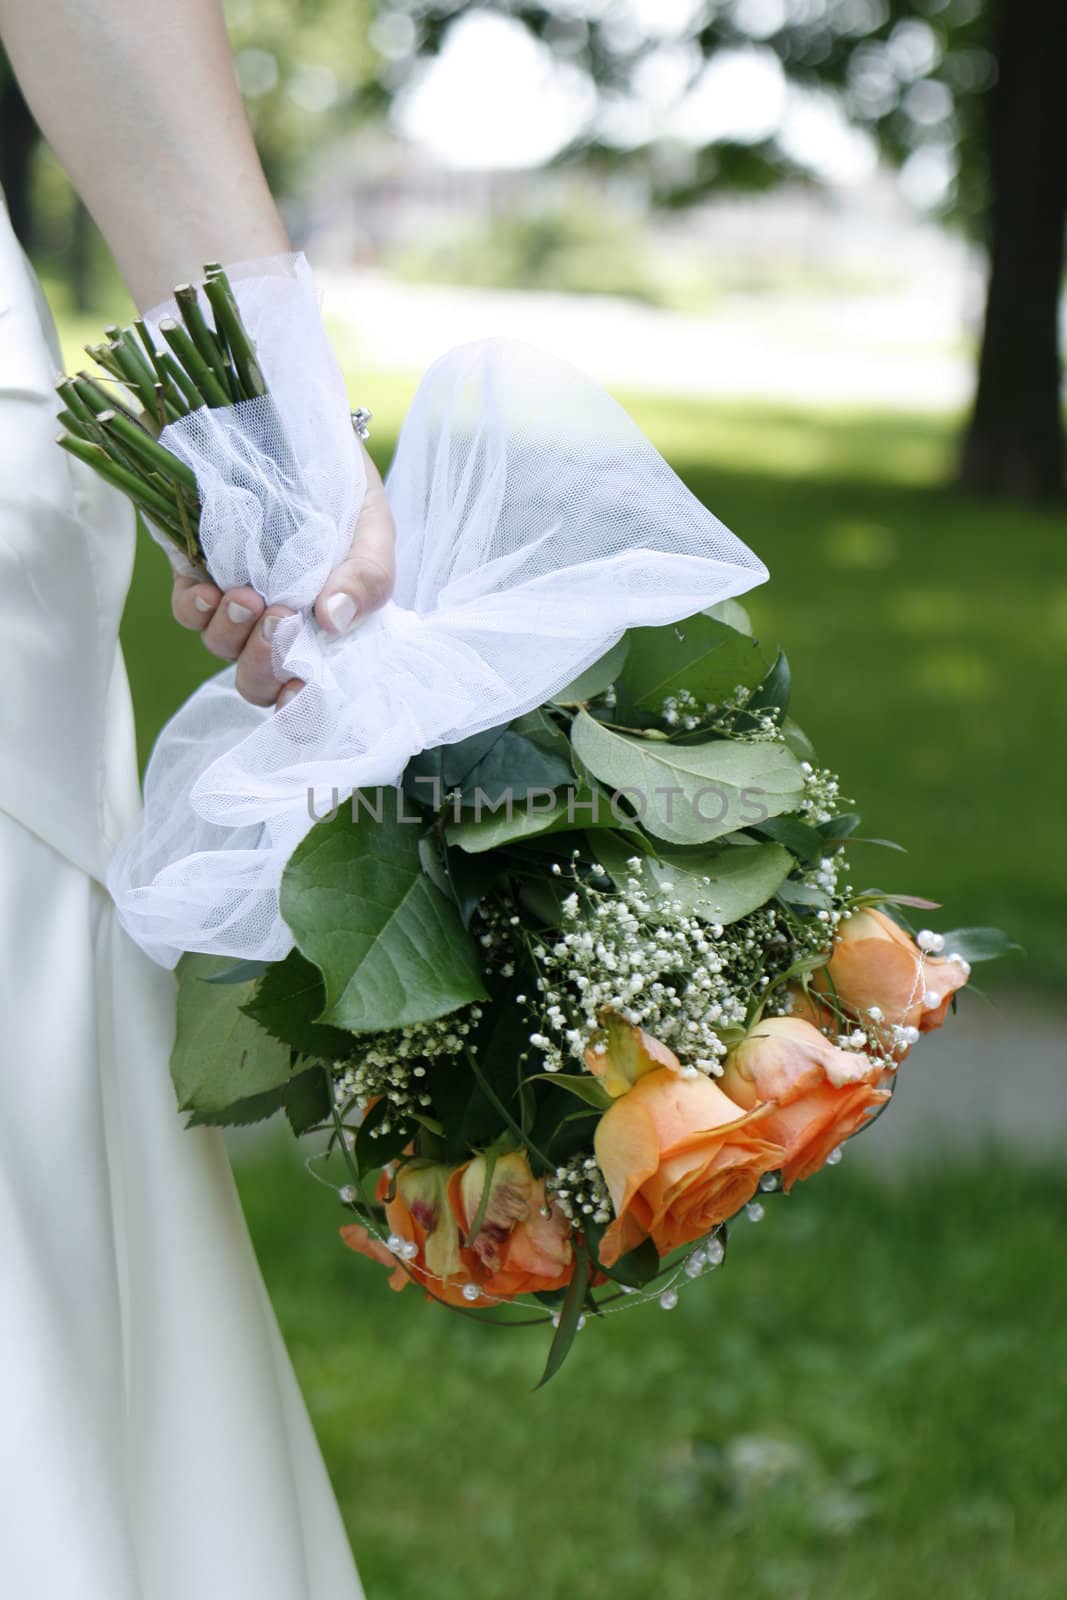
153,1444
535,524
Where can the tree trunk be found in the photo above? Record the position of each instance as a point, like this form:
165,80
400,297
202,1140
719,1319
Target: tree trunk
1014,444
18,135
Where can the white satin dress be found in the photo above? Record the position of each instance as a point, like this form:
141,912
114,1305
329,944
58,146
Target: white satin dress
153,1442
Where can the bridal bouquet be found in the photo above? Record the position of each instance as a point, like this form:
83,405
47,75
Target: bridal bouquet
535,900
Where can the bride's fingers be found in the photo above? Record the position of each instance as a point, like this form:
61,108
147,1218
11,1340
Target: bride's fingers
194,602
363,581
255,674
229,627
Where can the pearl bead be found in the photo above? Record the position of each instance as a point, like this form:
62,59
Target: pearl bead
695,1266
754,1211
668,1299
932,943
394,1243
931,1000
409,1249
769,1182
716,1252
834,1157
349,1194
471,1291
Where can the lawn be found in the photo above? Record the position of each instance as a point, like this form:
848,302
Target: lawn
866,1403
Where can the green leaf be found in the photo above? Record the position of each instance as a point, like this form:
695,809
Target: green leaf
774,689
740,880
242,1113
470,878
569,1317
797,740
595,679
701,655
221,1056
307,1105
516,765
391,948
807,843
690,794
638,1266
286,1002
530,820
807,895
842,827
243,972
979,944
372,1148
432,774
581,1084
732,613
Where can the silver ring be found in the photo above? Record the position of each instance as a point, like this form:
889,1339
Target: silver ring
361,421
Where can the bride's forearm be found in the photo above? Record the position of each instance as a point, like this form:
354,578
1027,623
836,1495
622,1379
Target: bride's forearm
139,101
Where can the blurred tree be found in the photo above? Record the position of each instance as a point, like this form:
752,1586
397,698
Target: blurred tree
967,93
301,65
18,137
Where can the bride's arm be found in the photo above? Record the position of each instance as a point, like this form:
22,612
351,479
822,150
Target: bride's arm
139,101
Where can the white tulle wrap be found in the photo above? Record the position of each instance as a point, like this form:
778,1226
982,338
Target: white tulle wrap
535,524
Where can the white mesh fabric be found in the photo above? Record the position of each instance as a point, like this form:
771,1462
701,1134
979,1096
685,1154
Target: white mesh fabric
535,523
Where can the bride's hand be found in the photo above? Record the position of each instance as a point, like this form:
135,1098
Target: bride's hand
237,626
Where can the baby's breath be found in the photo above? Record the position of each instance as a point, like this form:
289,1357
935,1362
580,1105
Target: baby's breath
393,1065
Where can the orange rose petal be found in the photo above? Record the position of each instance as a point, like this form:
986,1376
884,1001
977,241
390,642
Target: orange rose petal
811,1129
627,1147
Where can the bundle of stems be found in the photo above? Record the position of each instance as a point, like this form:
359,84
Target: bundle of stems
210,363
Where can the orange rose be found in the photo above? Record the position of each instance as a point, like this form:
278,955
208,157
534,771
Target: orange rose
517,1250
817,1094
419,1215
620,1053
876,963
678,1157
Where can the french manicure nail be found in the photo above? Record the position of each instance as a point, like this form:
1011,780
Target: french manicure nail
341,610
238,613
202,603
270,626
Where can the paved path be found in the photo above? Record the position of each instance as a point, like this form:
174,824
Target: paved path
994,1073
886,351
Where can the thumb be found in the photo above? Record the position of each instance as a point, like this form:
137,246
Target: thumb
363,581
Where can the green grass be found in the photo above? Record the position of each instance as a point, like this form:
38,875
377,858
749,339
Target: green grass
866,1403
927,633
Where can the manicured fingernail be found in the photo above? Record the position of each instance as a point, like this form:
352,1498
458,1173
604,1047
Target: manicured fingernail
284,698
270,626
238,613
341,610
202,603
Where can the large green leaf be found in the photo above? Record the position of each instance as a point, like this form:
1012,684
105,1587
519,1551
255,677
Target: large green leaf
391,947
287,1001
690,794
569,812
718,884
221,1056
533,754
706,657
